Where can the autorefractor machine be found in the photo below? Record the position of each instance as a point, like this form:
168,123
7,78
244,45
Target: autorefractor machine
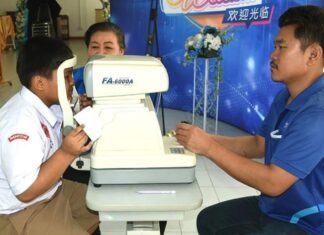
131,149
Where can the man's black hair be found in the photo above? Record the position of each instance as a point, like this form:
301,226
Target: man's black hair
309,21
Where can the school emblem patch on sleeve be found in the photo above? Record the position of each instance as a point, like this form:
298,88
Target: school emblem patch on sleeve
18,136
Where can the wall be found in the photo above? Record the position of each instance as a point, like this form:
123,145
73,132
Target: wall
7,5
81,13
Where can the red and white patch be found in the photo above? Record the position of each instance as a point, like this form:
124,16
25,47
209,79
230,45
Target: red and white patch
45,129
18,136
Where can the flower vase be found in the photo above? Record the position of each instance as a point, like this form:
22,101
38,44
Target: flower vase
205,53
200,101
218,79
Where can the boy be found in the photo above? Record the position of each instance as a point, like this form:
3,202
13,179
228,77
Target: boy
33,153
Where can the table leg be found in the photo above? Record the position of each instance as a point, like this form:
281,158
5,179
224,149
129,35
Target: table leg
163,225
143,228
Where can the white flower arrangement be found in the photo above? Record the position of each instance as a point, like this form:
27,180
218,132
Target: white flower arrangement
206,44
212,43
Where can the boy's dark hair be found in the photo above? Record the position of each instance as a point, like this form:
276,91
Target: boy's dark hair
309,21
105,27
41,56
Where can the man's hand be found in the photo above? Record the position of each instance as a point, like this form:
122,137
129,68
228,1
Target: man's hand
193,138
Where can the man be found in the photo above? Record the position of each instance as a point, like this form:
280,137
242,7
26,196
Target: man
291,139
33,153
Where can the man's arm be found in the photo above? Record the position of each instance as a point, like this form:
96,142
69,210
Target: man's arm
247,146
233,154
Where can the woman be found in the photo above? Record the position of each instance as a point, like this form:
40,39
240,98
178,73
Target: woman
104,38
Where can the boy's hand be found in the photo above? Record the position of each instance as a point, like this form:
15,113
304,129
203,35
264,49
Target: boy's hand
75,143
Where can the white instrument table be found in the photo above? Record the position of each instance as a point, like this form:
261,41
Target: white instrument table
143,202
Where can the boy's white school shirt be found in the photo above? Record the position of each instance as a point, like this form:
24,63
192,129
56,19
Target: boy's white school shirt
30,133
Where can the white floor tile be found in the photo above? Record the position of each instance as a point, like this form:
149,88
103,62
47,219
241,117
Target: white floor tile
210,165
231,193
221,179
203,178
209,196
200,164
188,224
172,233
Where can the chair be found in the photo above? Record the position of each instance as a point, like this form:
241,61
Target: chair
44,22
3,82
7,32
41,29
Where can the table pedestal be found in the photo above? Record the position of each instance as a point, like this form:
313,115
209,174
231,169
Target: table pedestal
142,206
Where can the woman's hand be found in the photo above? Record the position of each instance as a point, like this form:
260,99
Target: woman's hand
85,101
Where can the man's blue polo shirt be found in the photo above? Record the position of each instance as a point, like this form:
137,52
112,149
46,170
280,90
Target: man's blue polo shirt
78,80
295,143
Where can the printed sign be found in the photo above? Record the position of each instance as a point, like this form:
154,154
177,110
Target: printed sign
203,6
260,14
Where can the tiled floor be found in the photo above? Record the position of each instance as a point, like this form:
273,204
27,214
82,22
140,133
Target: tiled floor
215,185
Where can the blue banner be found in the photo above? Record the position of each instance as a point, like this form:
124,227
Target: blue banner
246,90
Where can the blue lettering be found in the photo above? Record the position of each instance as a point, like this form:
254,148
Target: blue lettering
106,80
117,81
